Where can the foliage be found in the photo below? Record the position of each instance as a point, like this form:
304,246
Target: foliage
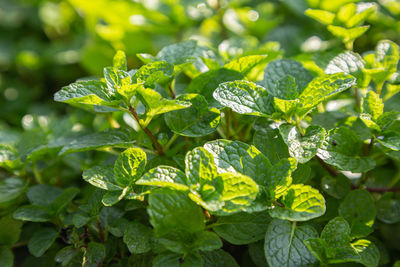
218,133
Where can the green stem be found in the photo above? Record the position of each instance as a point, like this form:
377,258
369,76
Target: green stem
36,173
171,141
379,87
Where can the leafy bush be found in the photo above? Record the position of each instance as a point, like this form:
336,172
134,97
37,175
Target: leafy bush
245,155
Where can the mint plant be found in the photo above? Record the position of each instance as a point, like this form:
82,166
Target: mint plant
211,157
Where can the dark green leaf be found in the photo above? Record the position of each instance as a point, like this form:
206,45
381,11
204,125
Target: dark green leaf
41,241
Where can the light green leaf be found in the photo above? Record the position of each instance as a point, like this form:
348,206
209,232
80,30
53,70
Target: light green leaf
119,61
11,188
373,105
112,197
41,241
9,157
155,72
299,203
197,120
200,166
102,177
173,210
287,70
280,178
302,147
138,238
322,16
87,92
349,63
342,148
165,176
242,228
116,79
245,98
179,53
129,166
347,35
246,63
238,157
387,54
110,138
284,244
155,104
321,88
286,88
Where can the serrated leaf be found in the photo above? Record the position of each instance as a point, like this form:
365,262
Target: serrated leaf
302,147
321,88
242,228
336,233
66,255
179,53
373,105
388,209
102,177
41,241
119,60
387,53
155,72
218,258
113,197
199,166
285,69
244,97
87,92
116,78
347,35
338,186
11,188
279,177
347,62
94,255
197,120
129,166
174,210
169,259
155,104
110,138
64,199
284,244
390,139
207,241
299,203
342,148
165,176
33,213
246,63
138,238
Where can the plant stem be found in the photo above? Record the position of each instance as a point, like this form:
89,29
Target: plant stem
327,167
171,141
227,122
159,148
36,173
101,234
379,88
171,91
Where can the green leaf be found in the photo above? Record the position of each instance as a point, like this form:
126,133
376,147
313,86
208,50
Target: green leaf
6,257
119,61
155,104
41,241
33,213
87,92
110,138
206,83
116,78
112,197
338,186
94,255
373,105
390,139
207,241
322,16
168,259
280,72
244,97
387,54
66,255
321,88
102,177
388,208
138,238
302,147
271,144
336,233
246,63
342,148
43,195
11,188
165,176
64,199
347,35
218,258
299,203
280,179
284,244
9,157
200,166
129,166
155,72
349,63
173,210
358,208
235,156
197,120
242,228
177,54
10,231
